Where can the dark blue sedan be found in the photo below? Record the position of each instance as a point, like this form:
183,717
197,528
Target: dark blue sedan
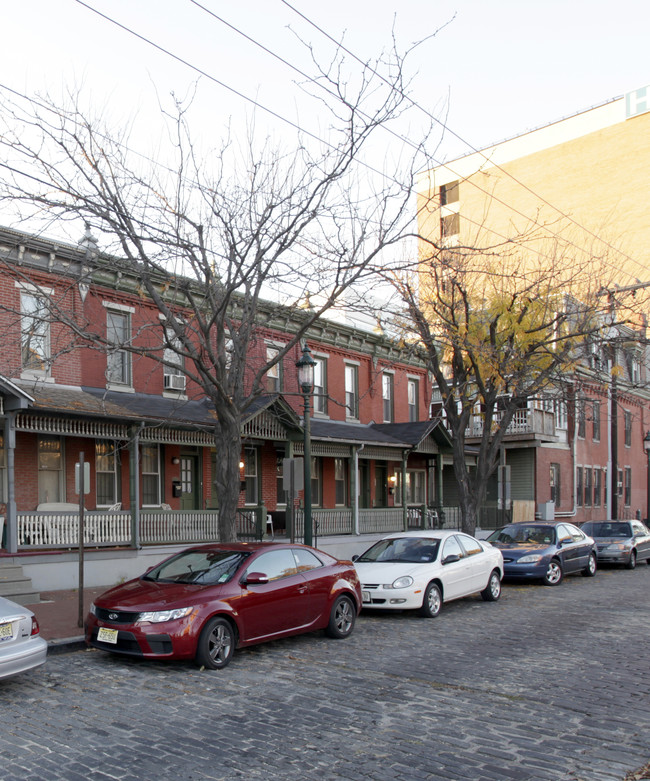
545,551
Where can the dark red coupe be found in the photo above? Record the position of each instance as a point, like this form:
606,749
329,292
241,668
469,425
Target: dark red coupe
208,600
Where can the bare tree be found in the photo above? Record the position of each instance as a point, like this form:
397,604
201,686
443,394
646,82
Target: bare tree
499,329
214,238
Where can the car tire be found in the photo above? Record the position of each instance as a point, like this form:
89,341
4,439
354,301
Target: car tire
554,573
632,562
342,618
492,591
592,565
432,602
216,644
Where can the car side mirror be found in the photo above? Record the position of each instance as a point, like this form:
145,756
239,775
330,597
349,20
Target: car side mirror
451,558
564,540
255,579
355,557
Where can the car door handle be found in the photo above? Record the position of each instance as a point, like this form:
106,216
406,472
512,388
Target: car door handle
302,589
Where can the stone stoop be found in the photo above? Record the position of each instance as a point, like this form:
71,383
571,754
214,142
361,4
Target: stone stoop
16,586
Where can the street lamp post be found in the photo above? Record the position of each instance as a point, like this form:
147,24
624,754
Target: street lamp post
305,366
646,447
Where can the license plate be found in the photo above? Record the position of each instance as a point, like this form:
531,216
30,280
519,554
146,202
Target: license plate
365,596
107,635
6,632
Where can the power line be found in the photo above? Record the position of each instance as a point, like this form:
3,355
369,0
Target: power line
446,128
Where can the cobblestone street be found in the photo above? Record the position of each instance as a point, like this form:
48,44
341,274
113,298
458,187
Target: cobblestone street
548,683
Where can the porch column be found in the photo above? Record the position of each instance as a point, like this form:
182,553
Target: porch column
11,519
134,485
354,488
405,514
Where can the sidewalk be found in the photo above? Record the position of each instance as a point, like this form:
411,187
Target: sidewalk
58,614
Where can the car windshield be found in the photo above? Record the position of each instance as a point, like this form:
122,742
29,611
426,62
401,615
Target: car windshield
606,529
204,567
420,550
524,534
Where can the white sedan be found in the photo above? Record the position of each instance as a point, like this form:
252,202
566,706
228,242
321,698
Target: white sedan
422,569
21,645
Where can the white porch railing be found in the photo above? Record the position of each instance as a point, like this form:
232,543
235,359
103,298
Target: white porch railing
524,421
61,530
173,526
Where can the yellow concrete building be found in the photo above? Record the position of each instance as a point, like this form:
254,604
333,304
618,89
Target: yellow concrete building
581,181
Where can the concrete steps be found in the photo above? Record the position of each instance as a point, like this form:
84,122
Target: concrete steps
14,585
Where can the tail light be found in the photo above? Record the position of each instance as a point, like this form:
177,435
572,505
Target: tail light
35,627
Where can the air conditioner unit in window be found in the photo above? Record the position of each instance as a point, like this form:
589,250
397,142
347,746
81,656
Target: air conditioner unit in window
174,382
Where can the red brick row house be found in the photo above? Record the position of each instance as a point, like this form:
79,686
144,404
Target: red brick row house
143,429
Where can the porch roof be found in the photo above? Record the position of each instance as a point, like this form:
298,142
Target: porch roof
397,435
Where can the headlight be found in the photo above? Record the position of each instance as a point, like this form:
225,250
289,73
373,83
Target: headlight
404,582
156,616
617,546
532,559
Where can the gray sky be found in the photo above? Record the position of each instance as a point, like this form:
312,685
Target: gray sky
495,68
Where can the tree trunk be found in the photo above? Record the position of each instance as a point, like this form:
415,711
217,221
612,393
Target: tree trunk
227,477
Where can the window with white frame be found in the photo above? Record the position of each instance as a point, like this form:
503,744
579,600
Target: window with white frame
320,385
596,420
173,368
50,470
413,392
35,333
250,476
387,387
587,486
274,373
579,487
627,420
106,472
118,334
341,481
556,486
316,482
352,391
281,496
150,468
597,486
582,418
627,491
415,487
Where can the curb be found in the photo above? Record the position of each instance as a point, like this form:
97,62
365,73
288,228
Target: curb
65,644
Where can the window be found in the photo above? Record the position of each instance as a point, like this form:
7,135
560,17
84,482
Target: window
118,333
106,472
35,333
280,495
250,476
3,467
150,467
274,374
449,193
579,491
627,418
306,560
588,474
320,386
450,225
597,486
581,416
352,391
452,548
387,381
413,394
415,487
315,481
275,564
627,495
174,377
560,414
555,484
340,481
596,420
50,470
470,546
